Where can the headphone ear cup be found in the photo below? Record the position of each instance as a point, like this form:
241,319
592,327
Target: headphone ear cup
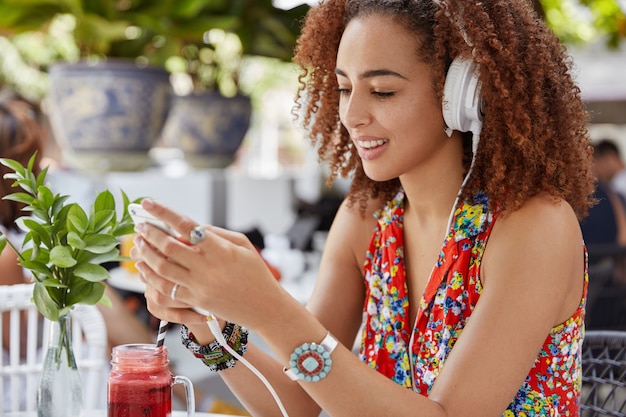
462,101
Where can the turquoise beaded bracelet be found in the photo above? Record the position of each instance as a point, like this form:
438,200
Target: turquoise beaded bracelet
311,362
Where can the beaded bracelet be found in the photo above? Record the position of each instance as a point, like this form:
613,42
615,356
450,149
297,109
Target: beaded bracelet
214,355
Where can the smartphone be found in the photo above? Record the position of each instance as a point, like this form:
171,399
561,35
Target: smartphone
140,215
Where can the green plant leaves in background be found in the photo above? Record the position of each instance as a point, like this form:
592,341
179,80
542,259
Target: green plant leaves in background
64,246
586,21
150,32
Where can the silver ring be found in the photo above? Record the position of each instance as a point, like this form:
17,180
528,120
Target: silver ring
197,235
173,293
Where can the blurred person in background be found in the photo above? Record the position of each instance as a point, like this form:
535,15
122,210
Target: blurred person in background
606,222
609,166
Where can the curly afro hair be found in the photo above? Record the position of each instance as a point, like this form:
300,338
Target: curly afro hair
534,137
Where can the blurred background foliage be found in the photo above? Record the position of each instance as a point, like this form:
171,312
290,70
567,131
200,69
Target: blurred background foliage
210,41
580,22
204,39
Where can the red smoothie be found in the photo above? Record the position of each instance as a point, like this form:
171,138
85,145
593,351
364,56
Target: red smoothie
140,383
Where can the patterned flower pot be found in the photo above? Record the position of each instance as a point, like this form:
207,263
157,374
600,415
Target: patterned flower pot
209,128
107,116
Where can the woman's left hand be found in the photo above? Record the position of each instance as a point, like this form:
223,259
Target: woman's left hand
222,273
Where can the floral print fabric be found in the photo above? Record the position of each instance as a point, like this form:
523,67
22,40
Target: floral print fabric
552,387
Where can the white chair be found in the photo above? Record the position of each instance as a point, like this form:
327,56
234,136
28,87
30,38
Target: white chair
89,337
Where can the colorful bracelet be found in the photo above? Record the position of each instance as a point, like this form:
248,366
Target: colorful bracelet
311,362
214,355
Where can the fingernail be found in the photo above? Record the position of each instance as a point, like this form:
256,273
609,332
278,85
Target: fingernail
139,242
139,228
147,203
141,267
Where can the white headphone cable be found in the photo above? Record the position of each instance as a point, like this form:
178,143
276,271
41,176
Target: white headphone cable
475,140
214,326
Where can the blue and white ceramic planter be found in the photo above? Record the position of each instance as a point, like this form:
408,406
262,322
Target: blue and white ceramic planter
107,116
209,128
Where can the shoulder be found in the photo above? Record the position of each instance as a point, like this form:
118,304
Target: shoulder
541,240
357,218
540,215
353,227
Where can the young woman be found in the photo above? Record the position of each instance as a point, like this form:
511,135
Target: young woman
469,307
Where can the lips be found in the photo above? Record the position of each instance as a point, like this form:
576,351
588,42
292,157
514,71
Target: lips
370,148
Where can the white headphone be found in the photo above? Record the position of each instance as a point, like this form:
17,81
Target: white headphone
462,101
463,109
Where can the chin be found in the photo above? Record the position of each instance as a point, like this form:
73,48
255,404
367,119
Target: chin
379,175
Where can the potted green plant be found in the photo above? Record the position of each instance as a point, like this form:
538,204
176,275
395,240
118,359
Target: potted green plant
159,34
64,248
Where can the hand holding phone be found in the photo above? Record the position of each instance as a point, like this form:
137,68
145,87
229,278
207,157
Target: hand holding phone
140,215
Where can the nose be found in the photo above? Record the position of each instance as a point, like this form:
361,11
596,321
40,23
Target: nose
353,111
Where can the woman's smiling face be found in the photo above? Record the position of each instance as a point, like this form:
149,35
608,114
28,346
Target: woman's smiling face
387,100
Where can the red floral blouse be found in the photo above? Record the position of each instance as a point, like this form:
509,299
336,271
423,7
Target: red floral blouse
553,385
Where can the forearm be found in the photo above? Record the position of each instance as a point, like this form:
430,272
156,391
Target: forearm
250,389
256,397
347,390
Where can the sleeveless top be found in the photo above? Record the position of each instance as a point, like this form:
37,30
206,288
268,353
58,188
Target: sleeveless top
553,385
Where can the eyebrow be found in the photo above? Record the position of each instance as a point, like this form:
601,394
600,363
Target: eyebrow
374,73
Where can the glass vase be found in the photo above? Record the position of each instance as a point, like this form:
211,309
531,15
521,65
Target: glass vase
60,390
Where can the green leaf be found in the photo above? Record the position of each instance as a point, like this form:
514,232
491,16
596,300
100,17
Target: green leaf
102,219
36,246
39,254
41,178
100,243
37,268
12,176
105,301
38,211
45,304
104,201
74,240
59,222
85,292
3,242
62,257
58,205
28,224
19,197
91,272
77,220
31,162
45,196
51,283
14,165
27,186
124,228
98,259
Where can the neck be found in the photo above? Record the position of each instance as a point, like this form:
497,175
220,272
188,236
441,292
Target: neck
431,192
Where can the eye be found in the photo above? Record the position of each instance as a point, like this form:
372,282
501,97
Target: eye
383,94
343,91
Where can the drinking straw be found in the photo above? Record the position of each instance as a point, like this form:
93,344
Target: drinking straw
161,334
